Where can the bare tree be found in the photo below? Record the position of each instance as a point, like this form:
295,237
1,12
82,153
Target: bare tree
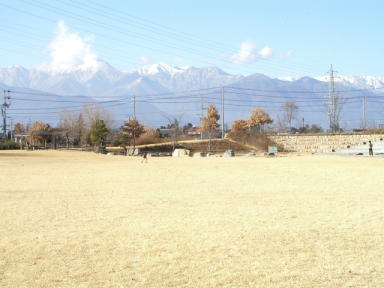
290,110
67,122
93,112
210,123
174,123
338,105
74,127
280,124
87,117
81,130
334,108
18,128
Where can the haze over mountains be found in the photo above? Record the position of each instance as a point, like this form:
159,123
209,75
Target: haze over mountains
106,80
155,84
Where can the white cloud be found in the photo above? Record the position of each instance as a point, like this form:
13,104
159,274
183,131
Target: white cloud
289,53
248,53
68,51
145,59
265,52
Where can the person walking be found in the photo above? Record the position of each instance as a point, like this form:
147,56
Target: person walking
370,148
145,157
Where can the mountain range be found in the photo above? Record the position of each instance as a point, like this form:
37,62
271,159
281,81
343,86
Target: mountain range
163,92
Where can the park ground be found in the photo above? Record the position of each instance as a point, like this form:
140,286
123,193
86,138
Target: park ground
79,219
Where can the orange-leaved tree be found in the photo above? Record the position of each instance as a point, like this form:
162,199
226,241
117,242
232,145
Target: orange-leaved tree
210,123
239,129
258,118
39,132
132,130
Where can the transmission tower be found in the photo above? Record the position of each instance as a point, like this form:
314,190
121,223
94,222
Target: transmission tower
332,102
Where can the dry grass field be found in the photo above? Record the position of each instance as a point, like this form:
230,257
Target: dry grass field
77,219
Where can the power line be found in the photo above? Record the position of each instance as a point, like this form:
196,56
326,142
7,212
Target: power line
151,26
160,29
305,91
233,100
196,92
61,11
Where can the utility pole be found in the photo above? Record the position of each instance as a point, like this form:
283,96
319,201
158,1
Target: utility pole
202,116
364,112
134,106
4,111
11,128
222,113
332,105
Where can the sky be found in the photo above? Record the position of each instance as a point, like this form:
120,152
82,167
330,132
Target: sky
279,38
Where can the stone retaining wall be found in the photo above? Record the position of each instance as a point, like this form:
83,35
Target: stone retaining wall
321,143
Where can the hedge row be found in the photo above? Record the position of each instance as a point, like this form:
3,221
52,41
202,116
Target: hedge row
8,145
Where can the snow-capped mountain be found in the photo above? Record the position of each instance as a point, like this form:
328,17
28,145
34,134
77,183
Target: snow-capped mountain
362,82
187,78
136,85
160,68
16,76
101,81
75,81
106,80
28,105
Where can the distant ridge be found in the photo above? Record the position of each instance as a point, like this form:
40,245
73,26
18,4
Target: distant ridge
103,82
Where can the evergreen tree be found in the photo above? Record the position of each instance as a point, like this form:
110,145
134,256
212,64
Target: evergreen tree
98,133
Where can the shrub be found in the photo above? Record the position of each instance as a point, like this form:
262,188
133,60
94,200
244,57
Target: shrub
9,145
150,136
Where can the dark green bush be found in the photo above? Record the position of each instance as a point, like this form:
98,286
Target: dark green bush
8,145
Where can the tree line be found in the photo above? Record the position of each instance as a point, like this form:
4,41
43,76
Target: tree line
92,126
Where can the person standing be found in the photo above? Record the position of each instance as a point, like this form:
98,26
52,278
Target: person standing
145,157
370,148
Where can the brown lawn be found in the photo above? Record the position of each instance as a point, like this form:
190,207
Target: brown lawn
77,219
